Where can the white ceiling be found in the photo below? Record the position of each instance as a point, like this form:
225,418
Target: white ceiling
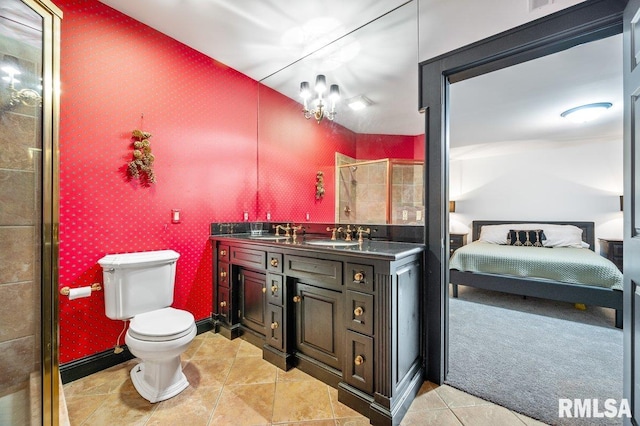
372,47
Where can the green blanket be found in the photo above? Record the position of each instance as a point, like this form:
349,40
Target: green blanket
569,265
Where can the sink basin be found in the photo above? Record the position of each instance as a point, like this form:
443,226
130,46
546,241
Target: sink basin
332,243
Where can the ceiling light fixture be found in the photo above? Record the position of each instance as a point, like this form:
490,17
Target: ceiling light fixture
359,102
584,113
319,110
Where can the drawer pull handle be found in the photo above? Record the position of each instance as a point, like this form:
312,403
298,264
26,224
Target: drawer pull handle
359,360
274,325
296,299
358,311
223,274
274,289
264,289
358,276
274,262
223,252
223,304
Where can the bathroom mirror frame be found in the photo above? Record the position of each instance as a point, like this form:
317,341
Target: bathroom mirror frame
582,23
284,81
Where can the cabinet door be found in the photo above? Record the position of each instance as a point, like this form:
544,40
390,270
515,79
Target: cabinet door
253,300
319,324
276,327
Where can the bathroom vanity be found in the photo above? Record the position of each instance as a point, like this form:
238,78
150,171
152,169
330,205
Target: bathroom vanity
347,313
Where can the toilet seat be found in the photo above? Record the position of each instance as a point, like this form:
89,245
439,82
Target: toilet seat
161,325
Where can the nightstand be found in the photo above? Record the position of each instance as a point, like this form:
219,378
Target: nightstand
456,241
612,250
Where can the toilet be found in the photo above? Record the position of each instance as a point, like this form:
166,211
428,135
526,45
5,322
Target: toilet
139,287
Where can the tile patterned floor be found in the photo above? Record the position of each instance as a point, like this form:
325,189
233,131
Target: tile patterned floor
230,384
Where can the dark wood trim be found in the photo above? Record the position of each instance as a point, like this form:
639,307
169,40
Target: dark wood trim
579,24
86,366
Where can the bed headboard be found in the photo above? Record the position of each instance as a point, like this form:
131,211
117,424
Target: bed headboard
588,228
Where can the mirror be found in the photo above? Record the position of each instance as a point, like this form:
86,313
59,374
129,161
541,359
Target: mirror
299,157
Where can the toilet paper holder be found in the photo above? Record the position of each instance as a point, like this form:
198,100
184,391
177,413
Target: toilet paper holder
94,287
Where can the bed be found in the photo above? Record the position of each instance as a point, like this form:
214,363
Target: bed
585,277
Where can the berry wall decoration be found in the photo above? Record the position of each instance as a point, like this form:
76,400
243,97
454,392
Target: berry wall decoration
141,167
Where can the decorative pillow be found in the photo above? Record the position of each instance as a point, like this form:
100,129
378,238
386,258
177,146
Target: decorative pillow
526,238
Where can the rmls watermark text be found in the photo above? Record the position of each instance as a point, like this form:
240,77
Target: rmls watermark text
593,408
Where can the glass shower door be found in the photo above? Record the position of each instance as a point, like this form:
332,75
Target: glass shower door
28,342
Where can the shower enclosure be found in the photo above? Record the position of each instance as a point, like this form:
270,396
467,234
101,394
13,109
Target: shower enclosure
386,191
29,71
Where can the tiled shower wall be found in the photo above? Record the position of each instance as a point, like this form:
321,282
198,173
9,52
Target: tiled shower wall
20,204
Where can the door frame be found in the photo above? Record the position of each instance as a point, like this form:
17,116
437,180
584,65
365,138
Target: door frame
582,23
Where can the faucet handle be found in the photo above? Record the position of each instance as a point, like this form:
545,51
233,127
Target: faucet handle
361,231
294,229
333,232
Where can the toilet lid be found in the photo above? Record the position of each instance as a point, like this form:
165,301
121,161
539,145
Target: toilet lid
161,324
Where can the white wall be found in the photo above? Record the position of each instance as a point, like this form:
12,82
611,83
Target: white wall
574,181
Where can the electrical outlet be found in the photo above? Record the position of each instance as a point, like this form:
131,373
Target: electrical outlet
405,215
419,215
268,216
245,216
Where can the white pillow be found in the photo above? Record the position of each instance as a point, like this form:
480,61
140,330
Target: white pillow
495,234
563,236
556,235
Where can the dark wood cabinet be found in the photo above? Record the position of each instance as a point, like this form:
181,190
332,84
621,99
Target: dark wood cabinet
456,241
612,249
352,319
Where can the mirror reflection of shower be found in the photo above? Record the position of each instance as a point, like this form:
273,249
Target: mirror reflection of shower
380,191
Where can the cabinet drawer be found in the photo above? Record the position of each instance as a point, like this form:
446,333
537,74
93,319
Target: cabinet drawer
274,262
275,327
325,272
275,289
248,257
223,274
360,312
359,277
358,369
223,252
224,304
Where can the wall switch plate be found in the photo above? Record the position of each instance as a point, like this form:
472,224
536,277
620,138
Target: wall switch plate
175,216
419,215
308,217
268,216
405,215
245,216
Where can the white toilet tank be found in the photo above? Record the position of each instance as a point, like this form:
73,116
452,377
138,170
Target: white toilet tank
135,283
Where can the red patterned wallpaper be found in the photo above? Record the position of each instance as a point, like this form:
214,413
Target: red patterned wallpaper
373,147
118,75
202,116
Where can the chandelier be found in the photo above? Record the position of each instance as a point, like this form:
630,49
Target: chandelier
319,111
25,96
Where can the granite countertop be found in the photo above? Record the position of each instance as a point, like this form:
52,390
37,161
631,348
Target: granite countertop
321,243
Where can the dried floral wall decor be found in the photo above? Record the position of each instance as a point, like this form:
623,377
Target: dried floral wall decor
141,167
319,185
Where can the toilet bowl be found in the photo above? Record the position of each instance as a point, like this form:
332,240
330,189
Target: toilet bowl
158,338
139,287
